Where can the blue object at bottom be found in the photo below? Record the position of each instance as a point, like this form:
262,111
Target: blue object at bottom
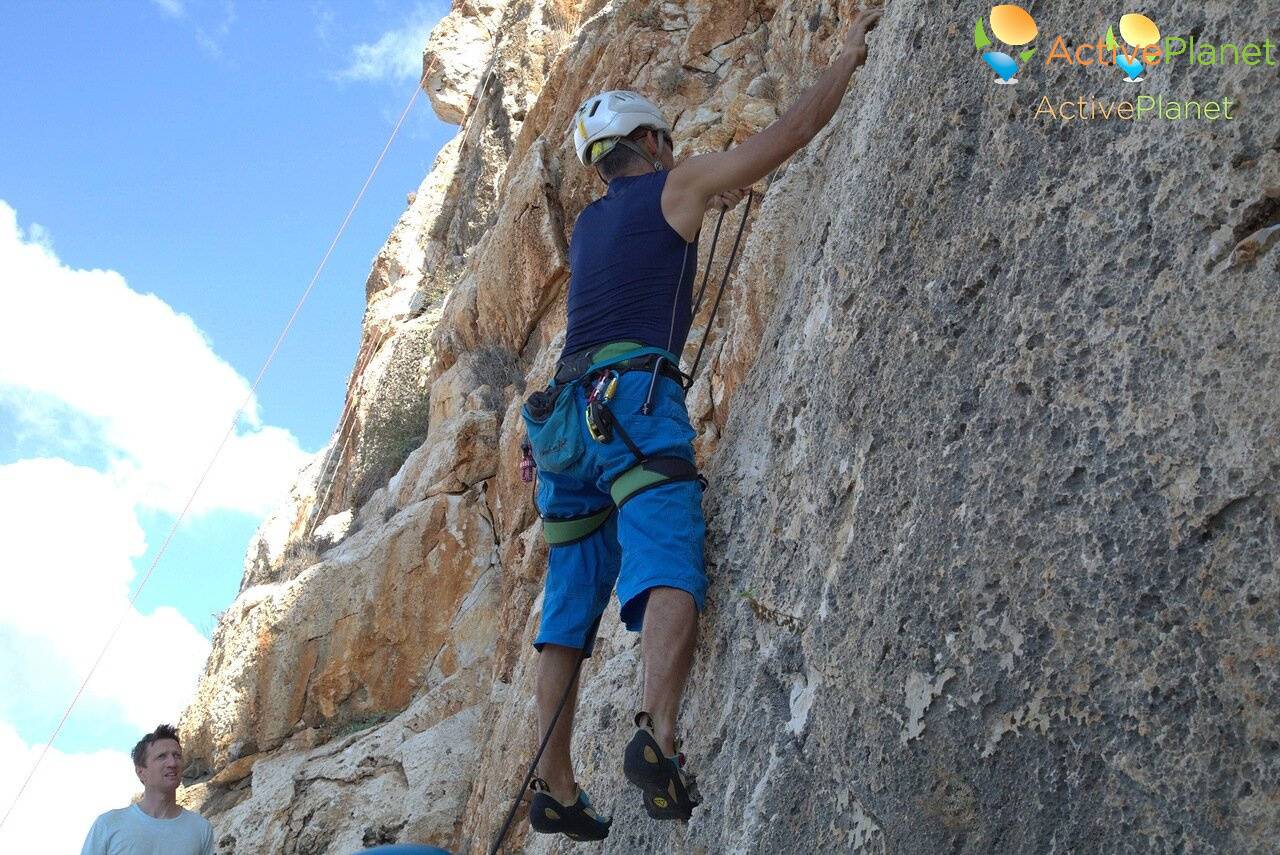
654,540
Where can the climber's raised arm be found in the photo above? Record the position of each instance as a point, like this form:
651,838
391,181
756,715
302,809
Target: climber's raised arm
698,179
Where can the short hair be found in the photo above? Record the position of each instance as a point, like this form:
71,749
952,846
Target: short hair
164,731
622,159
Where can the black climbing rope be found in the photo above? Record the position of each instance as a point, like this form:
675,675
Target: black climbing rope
728,269
711,257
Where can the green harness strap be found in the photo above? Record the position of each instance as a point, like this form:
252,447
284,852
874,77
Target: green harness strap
650,473
562,532
621,351
645,475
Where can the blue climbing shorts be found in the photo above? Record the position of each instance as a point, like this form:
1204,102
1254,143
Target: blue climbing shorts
654,539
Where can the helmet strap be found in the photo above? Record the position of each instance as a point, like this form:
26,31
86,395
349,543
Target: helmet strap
650,159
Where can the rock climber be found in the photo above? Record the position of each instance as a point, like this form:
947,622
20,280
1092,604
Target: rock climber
155,825
627,511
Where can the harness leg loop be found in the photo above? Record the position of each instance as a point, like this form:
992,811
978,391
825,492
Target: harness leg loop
651,473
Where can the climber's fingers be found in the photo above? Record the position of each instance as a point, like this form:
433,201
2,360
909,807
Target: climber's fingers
726,200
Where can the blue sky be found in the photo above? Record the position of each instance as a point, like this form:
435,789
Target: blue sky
215,177
171,172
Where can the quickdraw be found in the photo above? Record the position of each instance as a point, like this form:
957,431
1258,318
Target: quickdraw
528,469
599,418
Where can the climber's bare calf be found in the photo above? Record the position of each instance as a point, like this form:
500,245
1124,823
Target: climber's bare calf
556,667
667,641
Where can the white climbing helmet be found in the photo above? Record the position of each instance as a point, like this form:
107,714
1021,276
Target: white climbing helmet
609,116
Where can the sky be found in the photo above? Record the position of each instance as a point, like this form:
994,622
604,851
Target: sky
171,173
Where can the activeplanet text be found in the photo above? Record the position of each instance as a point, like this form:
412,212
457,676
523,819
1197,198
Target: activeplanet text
1174,49
1142,108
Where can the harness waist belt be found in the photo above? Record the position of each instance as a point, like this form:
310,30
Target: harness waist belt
619,355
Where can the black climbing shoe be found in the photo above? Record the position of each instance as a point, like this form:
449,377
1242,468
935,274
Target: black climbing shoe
669,791
578,821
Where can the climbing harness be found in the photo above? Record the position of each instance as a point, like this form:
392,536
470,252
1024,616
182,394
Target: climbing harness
550,415
652,472
555,442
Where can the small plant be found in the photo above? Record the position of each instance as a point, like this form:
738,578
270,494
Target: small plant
363,723
667,80
298,556
773,616
215,618
647,18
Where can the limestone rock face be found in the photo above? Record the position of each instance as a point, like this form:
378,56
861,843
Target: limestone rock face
992,428
457,54
370,619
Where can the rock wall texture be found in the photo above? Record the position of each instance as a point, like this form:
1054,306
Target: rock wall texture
992,425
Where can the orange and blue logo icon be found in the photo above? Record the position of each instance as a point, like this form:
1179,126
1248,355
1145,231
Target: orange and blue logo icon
1012,26
1142,35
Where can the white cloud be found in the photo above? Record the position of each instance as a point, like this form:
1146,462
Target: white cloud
211,38
40,236
172,8
70,539
62,800
324,18
93,369
396,54
70,536
145,374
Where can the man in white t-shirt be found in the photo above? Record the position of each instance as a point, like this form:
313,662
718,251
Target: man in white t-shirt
155,825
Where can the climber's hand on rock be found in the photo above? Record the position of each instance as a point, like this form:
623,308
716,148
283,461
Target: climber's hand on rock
855,43
726,200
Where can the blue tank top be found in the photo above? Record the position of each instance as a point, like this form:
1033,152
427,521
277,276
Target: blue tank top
625,262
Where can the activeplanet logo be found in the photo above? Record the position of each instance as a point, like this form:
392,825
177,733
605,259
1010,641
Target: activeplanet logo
1013,26
1140,33
1145,48
1005,37
1144,107
1140,48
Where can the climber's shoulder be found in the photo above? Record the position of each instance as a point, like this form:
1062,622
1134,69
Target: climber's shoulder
695,180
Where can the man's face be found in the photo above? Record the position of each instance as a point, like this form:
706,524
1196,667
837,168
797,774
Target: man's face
164,765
